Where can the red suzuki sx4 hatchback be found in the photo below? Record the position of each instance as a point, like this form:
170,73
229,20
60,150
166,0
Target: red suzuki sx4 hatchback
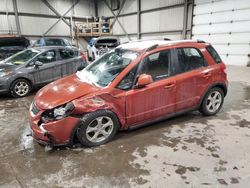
135,84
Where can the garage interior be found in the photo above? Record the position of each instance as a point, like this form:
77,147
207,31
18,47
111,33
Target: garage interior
189,150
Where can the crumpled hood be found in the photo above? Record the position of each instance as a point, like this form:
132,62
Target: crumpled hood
62,91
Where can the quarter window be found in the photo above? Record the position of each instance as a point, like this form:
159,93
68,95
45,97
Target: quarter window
189,59
214,54
157,65
66,54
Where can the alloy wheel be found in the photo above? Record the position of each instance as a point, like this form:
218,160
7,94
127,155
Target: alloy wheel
214,101
21,88
99,129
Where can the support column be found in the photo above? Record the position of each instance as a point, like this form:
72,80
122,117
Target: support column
16,17
185,19
138,19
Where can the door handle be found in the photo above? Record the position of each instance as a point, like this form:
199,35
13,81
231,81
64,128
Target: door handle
169,85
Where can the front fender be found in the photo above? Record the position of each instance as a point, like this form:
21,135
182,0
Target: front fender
88,105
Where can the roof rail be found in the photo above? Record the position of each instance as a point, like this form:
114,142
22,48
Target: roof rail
152,47
200,41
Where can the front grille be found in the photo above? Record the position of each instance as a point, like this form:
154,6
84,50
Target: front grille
34,109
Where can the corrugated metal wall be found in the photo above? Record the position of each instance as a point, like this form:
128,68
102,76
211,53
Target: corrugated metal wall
153,24
36,25
226,24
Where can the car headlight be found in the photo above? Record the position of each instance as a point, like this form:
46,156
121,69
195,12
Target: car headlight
58,113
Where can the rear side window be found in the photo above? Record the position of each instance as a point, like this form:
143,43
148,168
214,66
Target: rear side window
66,54
214,54
189,59
47,57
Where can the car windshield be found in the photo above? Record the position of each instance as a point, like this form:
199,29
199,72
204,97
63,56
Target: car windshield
21,57
104,70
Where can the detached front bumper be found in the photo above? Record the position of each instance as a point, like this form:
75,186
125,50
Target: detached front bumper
53,133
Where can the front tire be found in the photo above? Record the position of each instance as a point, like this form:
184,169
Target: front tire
20,88
97,128
212,102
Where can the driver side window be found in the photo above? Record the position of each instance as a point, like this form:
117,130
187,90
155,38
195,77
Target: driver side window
47,57
157,65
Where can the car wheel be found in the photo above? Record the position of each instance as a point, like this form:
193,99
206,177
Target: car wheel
97,128
212,102
20,88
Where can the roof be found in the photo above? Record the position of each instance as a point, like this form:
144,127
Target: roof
145,44
43,48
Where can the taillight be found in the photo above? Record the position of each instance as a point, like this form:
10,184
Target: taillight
223,68
83,56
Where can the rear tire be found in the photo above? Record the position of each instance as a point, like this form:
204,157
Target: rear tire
97,128
212,102
20,88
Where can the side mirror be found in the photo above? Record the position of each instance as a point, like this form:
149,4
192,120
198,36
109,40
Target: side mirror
144,80
38,64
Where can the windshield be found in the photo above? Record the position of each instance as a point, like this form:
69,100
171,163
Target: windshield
104,70
21,57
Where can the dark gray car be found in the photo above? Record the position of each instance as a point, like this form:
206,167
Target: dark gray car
36,67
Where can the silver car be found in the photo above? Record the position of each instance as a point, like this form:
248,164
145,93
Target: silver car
36,67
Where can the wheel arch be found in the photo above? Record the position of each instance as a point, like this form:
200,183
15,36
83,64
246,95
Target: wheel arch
24,78
73,134
219,85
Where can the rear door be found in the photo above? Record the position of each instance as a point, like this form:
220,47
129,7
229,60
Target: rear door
192,77
70,61
45,73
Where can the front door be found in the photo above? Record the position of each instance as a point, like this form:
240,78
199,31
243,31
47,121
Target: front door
156,99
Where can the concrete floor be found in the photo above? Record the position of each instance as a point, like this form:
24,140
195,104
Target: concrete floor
186,151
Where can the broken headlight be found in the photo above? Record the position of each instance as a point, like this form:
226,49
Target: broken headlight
58,113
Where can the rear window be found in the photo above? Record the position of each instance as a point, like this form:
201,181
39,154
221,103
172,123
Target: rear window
214,54
101,41
55,42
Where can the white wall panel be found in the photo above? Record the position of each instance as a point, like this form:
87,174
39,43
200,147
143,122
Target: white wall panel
229,23
6,5
103,9
129,6
7,24
128,22
215,6
170,19
226,38
36,25
150,4
29,26
222,28
223,17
